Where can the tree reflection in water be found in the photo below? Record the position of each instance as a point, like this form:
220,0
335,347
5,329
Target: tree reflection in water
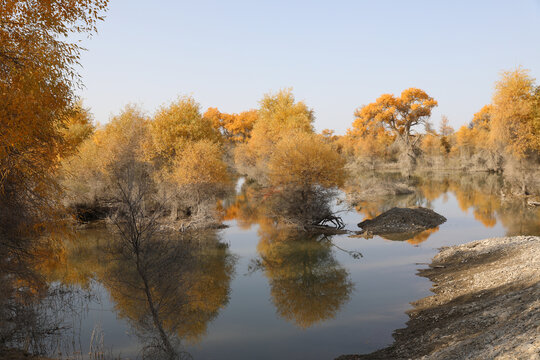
413,238
307,283
173,287
36,314
481,193
170,290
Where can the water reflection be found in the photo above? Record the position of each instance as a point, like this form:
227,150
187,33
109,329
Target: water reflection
307,284
296,207
168,291
171,290
483,194
176,286
36,314
413,238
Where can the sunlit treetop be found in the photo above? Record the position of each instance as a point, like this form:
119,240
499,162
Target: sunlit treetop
481,120
281,113
512,114
304,160
177,124
397,114
234,127
200,164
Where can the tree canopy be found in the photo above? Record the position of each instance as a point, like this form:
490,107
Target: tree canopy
512,113
400,115
38,73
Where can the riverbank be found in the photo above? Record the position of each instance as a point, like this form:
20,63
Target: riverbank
16,354
486,305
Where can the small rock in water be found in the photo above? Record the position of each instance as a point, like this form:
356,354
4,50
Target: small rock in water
398,220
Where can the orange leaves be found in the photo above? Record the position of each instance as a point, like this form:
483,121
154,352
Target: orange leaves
431,145
414,106
214,116
234,127
175,148
36,95
85,175
303,160
78,127
176,125
396,114
466,141
200,164
482,119
416,96
512,114
279,115
508,124
185,147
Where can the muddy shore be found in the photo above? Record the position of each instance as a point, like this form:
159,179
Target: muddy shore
486,305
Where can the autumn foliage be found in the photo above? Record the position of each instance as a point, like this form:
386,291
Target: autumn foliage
171,171
234,127
278,115
512,114
390,119
175,126
48,139
500,134
302,160
399,115
38,109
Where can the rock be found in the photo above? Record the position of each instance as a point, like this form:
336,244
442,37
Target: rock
400,220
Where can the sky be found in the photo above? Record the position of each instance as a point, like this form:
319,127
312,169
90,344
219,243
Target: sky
336,55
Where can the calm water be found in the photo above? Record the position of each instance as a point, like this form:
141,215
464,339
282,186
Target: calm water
269,294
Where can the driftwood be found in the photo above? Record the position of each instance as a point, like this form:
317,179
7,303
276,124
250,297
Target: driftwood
336,221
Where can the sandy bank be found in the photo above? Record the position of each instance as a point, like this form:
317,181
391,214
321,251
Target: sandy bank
486,305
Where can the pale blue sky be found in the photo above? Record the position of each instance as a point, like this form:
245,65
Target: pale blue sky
337,55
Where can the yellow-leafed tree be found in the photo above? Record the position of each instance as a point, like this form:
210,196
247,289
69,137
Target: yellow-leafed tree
200,175
201,164
38,58
279,114
512,119
175,126
234,127
399,116
368,139
303,160
482,119
88,174
304,172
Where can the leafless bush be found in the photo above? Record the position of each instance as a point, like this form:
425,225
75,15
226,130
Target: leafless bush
304,207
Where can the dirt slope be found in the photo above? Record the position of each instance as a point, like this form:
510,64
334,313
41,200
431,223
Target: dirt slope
486,305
